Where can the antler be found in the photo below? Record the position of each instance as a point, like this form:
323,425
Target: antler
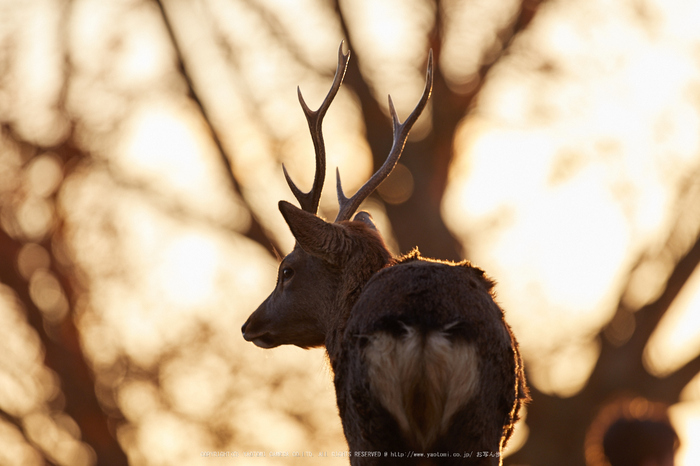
401,130
309,201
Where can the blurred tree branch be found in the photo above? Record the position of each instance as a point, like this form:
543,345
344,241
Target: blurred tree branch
649,316
428,159
255,231
61,340
63,354
559,425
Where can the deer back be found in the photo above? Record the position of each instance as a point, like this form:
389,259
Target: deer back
428,363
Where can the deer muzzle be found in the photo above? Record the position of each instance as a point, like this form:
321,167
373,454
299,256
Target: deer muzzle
259,337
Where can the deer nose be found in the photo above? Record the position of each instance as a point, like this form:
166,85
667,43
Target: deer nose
243,328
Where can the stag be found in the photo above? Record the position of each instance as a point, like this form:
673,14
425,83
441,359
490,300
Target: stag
424,363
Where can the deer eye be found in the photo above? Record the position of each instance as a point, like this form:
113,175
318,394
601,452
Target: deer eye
287,273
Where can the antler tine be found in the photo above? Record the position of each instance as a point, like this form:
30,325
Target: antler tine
309,201
401,130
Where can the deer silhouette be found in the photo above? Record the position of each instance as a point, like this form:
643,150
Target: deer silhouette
426,370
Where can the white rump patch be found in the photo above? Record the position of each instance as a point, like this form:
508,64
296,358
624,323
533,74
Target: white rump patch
422,380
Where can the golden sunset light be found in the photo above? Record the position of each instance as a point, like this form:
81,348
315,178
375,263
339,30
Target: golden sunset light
141,153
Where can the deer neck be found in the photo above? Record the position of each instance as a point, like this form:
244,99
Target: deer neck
351,288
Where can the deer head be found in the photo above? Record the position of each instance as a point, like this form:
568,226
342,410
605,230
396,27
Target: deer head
319,280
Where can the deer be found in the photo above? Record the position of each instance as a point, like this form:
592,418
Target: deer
426,370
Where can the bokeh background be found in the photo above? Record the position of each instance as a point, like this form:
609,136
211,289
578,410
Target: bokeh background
141,144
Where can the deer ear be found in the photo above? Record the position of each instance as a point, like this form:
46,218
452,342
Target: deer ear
365,218
327,241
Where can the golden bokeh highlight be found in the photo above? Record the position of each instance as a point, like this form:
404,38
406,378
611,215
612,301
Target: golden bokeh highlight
570,164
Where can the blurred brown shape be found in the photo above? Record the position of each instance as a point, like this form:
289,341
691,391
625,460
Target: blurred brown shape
45,287
631,431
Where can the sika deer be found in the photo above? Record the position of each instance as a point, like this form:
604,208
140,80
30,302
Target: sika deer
423,360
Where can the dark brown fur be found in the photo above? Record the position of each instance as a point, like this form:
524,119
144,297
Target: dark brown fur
346,287
432,295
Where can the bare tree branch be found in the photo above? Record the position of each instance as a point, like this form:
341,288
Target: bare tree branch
649,316
63,355
255,232
282,37
61,340
429,159
562,422
683,375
